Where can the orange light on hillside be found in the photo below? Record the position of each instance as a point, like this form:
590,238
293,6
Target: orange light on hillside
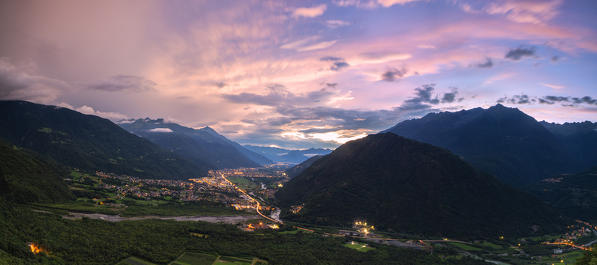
34,248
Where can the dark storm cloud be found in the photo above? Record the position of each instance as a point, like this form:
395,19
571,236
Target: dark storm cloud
487,64
422,99
322,119
517,99
279,95
331,59
571,101
425,98
9,84
336,66
16,83
337,62
339,118
556,98
550,100
450,96
125,83
585,99
519,53
393,74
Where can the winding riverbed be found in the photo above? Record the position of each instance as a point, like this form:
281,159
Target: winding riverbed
235,219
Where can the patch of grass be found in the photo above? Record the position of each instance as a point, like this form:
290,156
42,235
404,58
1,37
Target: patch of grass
569,258
80,206
223,260
289,232
243,182
464,246
45,130
490,245
189,258
166,208
134,261
361,247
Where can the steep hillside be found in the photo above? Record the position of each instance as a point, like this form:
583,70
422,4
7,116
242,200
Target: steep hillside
26,178
579,139
298,169
87,142
573,194
411,187
201,146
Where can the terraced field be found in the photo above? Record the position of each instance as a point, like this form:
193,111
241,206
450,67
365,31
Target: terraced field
190,258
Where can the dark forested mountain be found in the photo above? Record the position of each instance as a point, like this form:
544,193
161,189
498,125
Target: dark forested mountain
282,155
87,142
505,142
26,178
298,169
201,146
580,141
410,187
573,194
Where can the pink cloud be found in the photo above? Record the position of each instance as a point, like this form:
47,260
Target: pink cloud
314,11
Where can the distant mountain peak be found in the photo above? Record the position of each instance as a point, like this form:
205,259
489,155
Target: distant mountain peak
203,146
499,106
505,141
209,129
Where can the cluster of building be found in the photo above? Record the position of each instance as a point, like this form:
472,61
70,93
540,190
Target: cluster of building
209,188
296,209
579,230
251,172
216,187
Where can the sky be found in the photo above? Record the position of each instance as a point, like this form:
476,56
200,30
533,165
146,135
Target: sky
300,74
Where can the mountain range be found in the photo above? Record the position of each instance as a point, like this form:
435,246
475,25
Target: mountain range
402,185
507,143
88,142
200,146
292,156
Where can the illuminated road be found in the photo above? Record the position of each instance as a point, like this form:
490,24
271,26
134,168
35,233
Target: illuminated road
252,199
568,244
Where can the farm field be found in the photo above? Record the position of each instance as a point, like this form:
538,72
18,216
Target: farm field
361,247
134,261
189,258
192,258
